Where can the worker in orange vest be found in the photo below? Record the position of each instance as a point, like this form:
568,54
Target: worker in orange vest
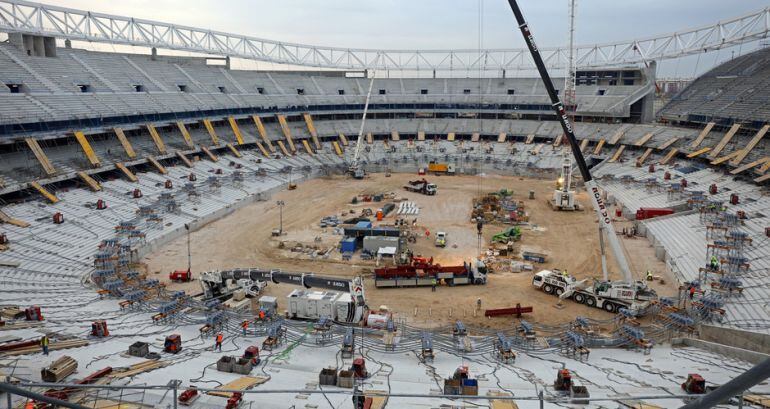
218,345
245,326
30,404
261,315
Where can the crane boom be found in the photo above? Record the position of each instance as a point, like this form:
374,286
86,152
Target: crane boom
600,207
354,166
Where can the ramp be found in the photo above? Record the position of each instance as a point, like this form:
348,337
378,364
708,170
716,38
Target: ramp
394,136
337,148
759,162
752,144
617,154
421,135
312,130
726,158
583,145
156,138
48,195
236,130
212,132
263,150
130,175
233,150
157,165
91,182
209,154
185,134
668,143
5,218
184,159
557,141
307,147
87,149
124,141
343,139
599,146
644,139
450,136
475,137
698,153
283,148
703,133
725,140
34,146
530,139
369,138
645,155
286,132
263,133
670,155
502,137
618,134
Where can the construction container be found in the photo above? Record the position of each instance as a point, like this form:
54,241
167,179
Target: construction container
470,387
388,208
346,379
139,349
452,386
243,366
225,364
372,244
532,256
364,225
650,212
328,376
59,369
348,245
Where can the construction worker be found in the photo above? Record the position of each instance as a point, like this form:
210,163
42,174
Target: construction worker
261,315
564,274
433,284
245,326
478,303
649,275
692,291
218,345
44,344
714,263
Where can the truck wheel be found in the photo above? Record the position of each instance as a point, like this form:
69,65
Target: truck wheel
609,307
591,302
548,288
579,298
559,291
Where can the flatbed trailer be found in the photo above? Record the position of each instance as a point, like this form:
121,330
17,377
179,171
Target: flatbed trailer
423,273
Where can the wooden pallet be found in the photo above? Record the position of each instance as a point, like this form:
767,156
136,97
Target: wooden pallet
242,383
761,401
141,367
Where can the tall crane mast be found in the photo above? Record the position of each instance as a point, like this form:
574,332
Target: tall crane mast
598,203
569,79
356,170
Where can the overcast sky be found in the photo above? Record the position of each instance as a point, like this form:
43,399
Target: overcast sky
427,24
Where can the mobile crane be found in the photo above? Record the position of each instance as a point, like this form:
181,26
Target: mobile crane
356,170
616,293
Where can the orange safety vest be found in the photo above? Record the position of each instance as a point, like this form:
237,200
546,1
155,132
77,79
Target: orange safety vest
219,338
261,315
245,324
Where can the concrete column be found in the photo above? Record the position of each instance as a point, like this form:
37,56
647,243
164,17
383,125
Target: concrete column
49,46
67,43
29,45
154,54
16,40
39,48
227,62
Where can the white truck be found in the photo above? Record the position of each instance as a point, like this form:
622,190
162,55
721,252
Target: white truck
607,295
440,239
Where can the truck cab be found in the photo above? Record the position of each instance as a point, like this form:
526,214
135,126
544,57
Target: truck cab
431,189
440,239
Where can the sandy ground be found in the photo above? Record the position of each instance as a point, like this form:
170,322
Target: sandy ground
569,238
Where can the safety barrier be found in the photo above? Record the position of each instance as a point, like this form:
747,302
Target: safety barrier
125,143
752,143
93,184
156,138
157,164
185,134
130,175
702,135
263,133
312,130
40,155
87,149
236,130
286,132
48,195
212,132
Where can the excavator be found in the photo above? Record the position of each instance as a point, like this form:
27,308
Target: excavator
627,287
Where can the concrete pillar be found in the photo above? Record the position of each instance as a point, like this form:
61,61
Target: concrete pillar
49,46
39,48
648,111
227,62
16,40
154,54
503,73
67,43
29,45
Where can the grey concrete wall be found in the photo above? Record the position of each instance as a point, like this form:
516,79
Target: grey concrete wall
751,341
753,357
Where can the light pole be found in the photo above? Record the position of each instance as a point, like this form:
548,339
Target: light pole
189,254
280,204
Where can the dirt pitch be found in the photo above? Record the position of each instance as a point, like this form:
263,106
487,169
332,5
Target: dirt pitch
243,239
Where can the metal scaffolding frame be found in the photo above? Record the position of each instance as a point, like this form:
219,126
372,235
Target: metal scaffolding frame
81,25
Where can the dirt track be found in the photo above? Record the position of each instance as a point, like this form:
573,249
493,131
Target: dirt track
570,239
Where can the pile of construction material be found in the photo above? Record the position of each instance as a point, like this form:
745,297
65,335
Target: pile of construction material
408,209
499,207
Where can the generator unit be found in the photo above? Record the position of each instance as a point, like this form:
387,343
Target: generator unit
58,218
33,313
99,329
306,304
173,344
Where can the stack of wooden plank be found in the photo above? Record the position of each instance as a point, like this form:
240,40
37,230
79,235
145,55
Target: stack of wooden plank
135,369
59,369
25,348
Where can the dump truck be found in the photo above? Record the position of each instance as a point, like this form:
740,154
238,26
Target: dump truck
421,186
441,168
610,296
